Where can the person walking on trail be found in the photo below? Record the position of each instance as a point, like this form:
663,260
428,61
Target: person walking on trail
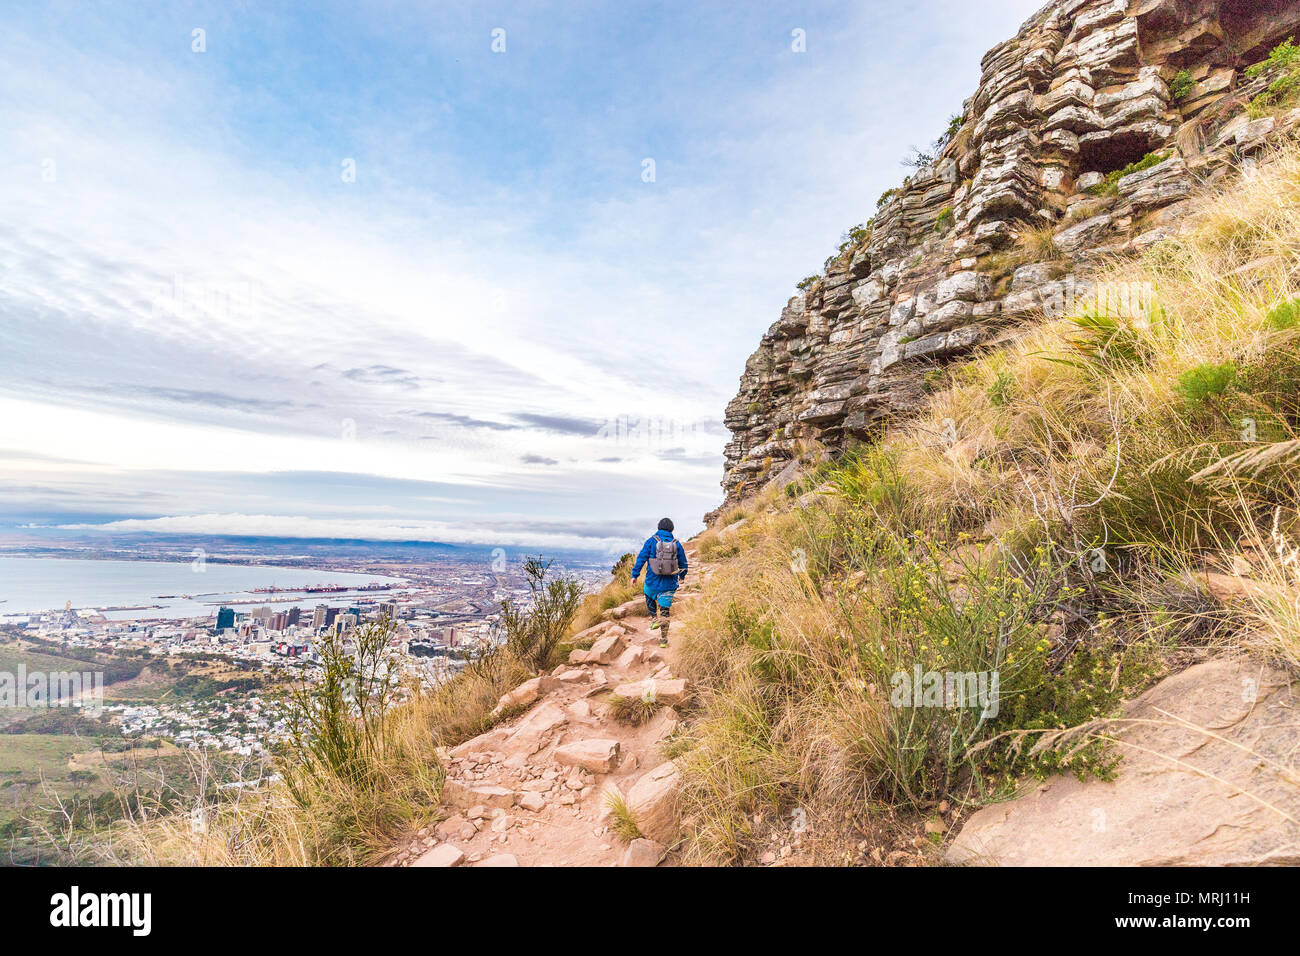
664,559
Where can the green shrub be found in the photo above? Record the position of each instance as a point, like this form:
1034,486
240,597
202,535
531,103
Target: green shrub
944,222
1181,85
907,617
1003,388
887,195
1107,341
856,235
534,632
1284,316
1281,57
1200,385
1110,185
1284,88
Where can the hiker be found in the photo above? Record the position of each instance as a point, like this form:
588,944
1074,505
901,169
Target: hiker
664,559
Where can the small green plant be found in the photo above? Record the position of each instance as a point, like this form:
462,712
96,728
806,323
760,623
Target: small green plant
1285,86
1284,316
855,236
675,745
1107,342
1002,390
944,222
623,824
1279,93
1181,85
1281,57
887,195
1110,185
337,721
954,124
754,408
1200,385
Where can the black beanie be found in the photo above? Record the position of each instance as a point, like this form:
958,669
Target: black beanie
666,524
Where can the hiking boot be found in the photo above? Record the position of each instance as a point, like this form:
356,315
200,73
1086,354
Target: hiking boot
663,641
654,623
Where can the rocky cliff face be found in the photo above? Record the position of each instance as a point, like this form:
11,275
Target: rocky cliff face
1024,196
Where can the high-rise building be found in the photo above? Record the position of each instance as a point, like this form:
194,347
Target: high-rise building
318,616
388,609
225,618
331,613
295,615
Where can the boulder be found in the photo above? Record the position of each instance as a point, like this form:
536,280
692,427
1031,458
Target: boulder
604,651
526,693
634,608
670,692
1207,779
455,793
501,859
536,725
1159,185
652,801
444,854
1083,234
966,286
595,755
643,852
456,827
629,657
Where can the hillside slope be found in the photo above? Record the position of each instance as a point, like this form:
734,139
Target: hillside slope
1106,503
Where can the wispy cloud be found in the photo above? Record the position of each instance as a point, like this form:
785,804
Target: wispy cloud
193,282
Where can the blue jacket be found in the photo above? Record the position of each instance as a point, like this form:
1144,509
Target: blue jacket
656,584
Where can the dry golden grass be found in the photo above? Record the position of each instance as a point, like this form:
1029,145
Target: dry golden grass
623,823
1096,430
331,822
619,590
1039,241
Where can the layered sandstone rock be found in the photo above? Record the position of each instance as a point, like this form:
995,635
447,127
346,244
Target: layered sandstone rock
1207,779
1082,91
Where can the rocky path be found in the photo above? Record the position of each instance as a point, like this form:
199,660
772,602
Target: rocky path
532,791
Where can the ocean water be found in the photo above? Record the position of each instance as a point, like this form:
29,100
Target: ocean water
28,585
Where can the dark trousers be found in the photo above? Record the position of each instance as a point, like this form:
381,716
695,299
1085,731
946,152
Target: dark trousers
652,605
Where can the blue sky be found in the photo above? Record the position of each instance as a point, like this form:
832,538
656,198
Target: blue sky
501,329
